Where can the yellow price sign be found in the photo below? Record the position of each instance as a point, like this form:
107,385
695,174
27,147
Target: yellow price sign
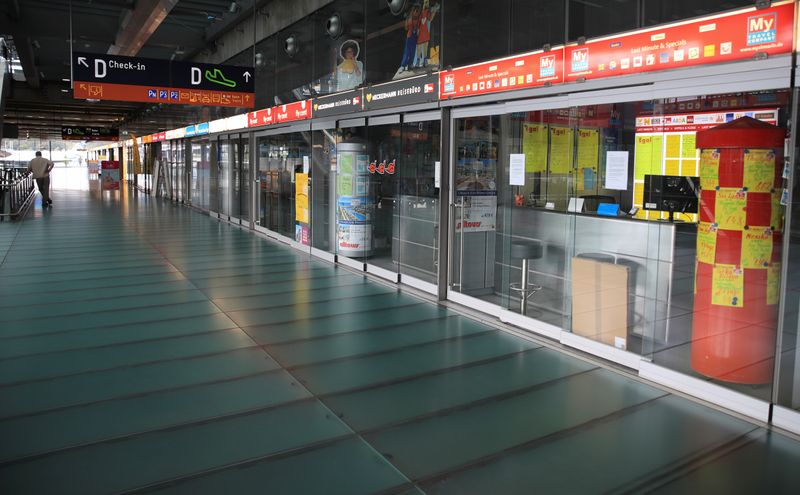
759,170
730,208
756,247
706,243
727,286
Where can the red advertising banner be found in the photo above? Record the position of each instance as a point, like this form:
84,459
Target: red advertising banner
528,70
110,175
261,117
721,38
175,96
299,110
693,122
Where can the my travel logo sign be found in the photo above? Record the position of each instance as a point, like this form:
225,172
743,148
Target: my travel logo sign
580,60
547,66
762,29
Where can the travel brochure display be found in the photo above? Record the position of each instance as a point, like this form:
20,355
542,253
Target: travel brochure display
665,145
715,39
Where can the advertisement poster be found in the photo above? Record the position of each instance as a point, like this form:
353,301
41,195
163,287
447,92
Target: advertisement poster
354,230
730,208
301,198
727,286
588,148
776,220
759,170
647,155
709,169
529,70
534,146
706,243
419,38
714,39
561,139
479,214
756,247
110,175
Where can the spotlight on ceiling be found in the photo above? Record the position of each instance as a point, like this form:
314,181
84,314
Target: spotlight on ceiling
334,26
234,7
291,46
397,6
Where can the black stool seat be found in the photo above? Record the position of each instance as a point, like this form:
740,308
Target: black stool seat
527,250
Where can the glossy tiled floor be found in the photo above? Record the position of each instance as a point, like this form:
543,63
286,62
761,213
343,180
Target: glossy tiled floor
145,347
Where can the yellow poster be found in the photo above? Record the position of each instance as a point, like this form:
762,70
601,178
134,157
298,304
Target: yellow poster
773,283
588,149
727,286
301,198
534,146
709,169
672,167
561,139
730,208
647,156
759,170
776,222
756,247
137,160
688,143
706,243
673,146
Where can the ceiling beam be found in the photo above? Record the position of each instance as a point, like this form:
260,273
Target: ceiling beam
139,24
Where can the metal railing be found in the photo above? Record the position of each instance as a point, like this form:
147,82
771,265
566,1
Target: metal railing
16,191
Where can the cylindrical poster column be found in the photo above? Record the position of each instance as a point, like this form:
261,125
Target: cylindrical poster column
738,251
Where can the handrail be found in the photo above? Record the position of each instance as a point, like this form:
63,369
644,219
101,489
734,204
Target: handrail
16,191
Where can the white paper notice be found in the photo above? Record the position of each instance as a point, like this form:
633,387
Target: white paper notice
516,174
616,170
437,172
306,165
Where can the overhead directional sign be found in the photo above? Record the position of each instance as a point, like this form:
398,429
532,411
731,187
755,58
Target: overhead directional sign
80,133
112,77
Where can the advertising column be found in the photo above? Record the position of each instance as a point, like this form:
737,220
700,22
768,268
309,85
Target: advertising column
353,205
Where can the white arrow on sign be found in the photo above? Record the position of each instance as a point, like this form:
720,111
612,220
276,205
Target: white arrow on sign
246,76
82,61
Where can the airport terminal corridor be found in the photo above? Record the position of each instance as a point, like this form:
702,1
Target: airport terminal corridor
145,347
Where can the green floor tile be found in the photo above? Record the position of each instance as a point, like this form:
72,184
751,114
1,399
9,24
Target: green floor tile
302,297
348,467
101,421
70,391
158,457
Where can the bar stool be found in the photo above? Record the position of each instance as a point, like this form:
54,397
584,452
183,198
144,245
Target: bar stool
526,251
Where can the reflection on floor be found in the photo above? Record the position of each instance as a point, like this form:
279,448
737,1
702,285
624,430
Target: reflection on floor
146,347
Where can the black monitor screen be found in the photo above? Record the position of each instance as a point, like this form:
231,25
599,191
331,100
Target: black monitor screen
671,193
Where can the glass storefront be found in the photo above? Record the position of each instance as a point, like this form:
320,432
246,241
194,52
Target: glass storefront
586,220
200,177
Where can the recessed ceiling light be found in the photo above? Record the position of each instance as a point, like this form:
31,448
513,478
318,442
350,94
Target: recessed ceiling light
66,79
65,91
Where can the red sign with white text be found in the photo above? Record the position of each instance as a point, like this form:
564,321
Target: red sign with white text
529,70
261,117
715,39
299,110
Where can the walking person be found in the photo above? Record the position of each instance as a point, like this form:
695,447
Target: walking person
41,168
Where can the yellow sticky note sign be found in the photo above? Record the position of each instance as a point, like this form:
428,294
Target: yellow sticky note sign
689,168
301,198
638,194
709,169
706,243
534,146
688,145
756,247
730,208
759,170
588,149
647,155
727,286
561,139
773,283
673,146
672,167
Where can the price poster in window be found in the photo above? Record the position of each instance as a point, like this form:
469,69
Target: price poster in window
561,139
730,208
534,146
706,243
727,286
759,170
756,247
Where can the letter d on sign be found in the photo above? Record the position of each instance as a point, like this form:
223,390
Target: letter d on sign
197,76
99,68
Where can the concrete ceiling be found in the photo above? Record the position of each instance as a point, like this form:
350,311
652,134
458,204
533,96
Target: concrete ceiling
162,29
